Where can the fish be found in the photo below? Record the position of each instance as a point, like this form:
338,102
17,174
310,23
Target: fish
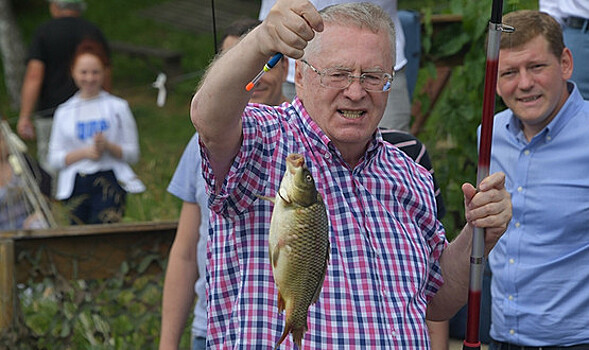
298,246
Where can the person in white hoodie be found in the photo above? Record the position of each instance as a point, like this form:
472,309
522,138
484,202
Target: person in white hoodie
93,141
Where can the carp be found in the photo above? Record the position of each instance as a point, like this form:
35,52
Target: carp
298,246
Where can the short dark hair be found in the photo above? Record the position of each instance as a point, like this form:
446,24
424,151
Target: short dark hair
240,27
529,24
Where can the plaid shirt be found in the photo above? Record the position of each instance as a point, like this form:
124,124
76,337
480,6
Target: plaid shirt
385,241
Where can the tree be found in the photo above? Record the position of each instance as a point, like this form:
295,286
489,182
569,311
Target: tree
12,52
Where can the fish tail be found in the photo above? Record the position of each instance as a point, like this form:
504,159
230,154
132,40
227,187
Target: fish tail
287,329
297,336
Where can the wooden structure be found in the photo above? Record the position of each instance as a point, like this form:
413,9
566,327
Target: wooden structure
172,60
434,86
76,252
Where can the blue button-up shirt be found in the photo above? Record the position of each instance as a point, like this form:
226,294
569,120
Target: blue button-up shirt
540,266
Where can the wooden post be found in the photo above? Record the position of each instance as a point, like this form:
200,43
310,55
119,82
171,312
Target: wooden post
6,284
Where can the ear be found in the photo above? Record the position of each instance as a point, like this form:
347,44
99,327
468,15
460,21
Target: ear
298,78
284,68
566,63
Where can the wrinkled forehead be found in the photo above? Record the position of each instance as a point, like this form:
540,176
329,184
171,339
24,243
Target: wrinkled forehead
344,44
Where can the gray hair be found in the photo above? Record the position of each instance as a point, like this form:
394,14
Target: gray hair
359,14
74,5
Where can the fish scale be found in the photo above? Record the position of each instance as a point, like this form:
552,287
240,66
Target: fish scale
298,246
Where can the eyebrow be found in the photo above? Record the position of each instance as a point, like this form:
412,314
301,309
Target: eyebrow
368,70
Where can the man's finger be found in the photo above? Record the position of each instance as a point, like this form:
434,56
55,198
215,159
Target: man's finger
312,16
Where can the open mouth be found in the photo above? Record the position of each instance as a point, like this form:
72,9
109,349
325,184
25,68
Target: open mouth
529,99
351,114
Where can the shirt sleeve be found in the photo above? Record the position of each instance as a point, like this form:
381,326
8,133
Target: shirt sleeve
251,168
187,182
58,148
129,142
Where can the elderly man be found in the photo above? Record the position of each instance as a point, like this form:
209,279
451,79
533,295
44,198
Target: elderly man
389,259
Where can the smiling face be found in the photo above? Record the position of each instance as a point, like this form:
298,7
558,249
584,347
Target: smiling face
88,73
349,117
532,82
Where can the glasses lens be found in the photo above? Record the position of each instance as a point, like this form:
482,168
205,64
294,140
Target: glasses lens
374,81
336,79
341,79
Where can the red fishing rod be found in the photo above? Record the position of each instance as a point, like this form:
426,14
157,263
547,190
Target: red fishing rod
472,341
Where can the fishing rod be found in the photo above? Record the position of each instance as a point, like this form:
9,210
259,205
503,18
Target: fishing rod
472,341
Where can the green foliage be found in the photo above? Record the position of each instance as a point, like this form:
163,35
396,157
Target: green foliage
451,130
123,312
120,312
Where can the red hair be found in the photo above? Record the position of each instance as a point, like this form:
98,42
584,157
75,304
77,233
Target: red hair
91,47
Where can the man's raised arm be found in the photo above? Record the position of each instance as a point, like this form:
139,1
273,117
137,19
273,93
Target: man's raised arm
221,98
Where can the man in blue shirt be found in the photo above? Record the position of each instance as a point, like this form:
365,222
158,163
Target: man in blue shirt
540,295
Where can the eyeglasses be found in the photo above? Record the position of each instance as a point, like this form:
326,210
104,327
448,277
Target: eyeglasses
335,78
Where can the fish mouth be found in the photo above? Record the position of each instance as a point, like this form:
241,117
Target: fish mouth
351,114
295,160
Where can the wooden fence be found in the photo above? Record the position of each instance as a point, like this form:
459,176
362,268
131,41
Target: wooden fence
75,252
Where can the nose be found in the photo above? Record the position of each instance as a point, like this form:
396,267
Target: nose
355,90
526,80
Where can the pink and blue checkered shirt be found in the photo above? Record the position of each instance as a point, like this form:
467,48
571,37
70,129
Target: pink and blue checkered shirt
385,241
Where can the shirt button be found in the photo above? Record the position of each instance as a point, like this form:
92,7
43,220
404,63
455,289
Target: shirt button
511,261
511,331
548,138
519,189
510,297
517,224
527,152
327,156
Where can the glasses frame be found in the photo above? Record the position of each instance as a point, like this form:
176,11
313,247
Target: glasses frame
361,78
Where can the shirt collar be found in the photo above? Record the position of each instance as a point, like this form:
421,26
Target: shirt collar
321,140
570,108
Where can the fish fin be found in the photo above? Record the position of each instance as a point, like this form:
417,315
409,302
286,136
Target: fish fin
287,329
284,195
297,336
281,303
275,253
271,199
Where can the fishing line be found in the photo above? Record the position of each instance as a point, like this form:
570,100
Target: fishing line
214,26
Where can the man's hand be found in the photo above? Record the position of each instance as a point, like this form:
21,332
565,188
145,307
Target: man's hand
289,26
489,207
25,128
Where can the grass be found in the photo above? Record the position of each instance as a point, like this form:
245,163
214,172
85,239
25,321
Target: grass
163,134
163,131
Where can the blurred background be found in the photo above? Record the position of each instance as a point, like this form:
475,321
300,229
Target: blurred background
177,38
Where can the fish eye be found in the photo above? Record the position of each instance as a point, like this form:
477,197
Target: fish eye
309,178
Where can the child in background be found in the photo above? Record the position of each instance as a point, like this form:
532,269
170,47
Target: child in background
93,141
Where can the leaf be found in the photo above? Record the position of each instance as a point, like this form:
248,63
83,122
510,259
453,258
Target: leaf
125,268
144,264
65,329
